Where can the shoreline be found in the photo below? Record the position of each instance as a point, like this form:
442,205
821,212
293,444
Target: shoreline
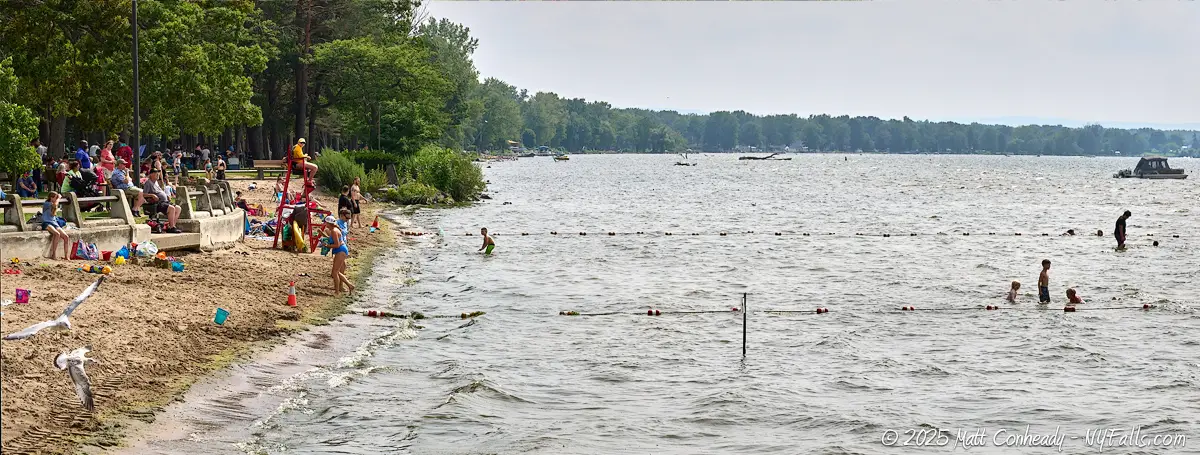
152,331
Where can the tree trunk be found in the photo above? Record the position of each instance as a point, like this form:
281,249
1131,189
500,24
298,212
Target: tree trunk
304,24
58,137
375,124
255,142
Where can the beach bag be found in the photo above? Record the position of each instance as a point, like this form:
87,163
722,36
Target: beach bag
61,222
86,251
148,249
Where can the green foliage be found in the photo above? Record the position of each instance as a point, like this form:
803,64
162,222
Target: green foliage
373,181
373,159
450,172
410,193
336,171
17,126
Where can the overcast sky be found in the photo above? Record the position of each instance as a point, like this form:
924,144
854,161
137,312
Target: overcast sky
1130,63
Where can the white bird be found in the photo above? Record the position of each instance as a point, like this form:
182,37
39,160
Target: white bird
73,362
61,322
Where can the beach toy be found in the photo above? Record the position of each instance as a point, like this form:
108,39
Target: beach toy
105,255
375,224
119,261
15,261
106,270
373,228
22,296
221,316
175,266
161,255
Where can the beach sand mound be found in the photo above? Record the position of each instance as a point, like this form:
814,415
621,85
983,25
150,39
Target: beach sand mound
152,330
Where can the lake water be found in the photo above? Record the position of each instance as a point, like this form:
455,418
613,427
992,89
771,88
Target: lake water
523,379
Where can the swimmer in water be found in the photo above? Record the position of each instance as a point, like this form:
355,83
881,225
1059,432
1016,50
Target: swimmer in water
1012,292
1044,282
488,244
1072,297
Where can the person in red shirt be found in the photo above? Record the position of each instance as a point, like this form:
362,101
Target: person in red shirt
125,152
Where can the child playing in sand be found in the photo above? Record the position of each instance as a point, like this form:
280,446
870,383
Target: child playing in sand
1073,297
488,244
340,251
1012,292
278,195
49,222
1044,282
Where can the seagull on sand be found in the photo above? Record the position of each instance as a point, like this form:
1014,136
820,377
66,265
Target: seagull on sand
73,362
61,322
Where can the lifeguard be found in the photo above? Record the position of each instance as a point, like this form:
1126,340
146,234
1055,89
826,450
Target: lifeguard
300,160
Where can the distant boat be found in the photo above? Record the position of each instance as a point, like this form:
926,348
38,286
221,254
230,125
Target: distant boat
768,157
1152,167
562,157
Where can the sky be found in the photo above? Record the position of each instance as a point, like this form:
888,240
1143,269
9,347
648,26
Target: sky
1123,63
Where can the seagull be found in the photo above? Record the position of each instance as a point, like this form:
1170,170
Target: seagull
73,362
61,322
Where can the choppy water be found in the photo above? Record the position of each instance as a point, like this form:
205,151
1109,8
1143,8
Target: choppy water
523,379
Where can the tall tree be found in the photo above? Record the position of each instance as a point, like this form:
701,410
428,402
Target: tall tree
18,126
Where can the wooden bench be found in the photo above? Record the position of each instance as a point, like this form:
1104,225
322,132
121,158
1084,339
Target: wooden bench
276,167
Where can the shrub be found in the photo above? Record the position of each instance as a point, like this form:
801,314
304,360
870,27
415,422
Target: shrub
336,171
374,180
413,193
373,159
446,170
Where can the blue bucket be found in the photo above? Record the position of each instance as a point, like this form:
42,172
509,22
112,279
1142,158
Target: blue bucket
222,314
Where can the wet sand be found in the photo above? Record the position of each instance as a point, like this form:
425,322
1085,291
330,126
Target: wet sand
152,330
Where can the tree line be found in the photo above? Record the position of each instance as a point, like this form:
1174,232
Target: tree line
349,74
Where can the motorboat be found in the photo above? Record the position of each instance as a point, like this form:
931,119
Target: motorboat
1152,167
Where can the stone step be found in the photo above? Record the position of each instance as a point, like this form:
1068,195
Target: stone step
172,242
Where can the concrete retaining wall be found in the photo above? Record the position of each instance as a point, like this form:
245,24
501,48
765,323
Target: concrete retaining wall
36,244
217,231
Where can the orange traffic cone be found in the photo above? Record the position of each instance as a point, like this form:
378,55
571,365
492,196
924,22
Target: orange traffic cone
292,293
375,224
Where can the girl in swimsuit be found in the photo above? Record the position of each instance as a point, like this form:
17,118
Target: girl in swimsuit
340,251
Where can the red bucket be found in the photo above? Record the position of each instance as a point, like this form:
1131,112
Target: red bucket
105,255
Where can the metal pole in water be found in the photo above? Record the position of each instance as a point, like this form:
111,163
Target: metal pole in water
743,325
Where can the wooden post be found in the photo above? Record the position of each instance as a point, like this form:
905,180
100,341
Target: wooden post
744,319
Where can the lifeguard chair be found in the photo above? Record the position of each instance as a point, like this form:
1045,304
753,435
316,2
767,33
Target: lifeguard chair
291,205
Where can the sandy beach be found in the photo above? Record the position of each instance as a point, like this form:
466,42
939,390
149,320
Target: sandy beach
152,329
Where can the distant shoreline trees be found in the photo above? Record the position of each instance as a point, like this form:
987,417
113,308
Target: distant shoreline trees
349,74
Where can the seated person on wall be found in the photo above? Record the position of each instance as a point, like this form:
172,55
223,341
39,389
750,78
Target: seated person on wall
26,187
156,193
122,181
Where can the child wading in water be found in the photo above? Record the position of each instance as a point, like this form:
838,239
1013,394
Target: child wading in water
1072,297
488,244
1012,292
1044,282
49,223
340,251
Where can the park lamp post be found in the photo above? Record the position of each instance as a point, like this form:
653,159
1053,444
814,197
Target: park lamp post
137,114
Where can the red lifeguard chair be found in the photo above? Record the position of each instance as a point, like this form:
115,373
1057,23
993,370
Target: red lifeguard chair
299,202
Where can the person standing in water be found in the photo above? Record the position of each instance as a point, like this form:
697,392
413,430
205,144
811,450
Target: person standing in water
1044,282
1119,233
488,244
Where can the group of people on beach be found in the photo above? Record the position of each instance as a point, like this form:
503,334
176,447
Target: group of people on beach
1044,278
